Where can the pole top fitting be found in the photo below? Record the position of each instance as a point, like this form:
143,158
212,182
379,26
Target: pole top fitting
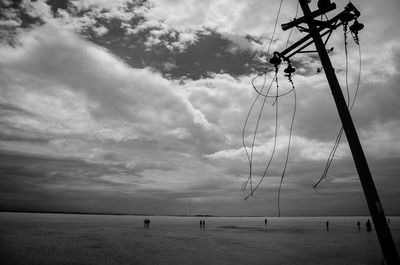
275,60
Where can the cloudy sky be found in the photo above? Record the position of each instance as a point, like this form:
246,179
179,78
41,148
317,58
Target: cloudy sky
139,106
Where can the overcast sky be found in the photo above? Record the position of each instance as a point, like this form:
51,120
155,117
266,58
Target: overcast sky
139,106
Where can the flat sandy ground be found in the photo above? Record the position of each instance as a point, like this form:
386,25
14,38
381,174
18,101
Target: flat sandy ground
28,238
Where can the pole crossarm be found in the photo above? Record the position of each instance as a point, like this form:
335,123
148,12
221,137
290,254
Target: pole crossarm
349,13
307,41
311,16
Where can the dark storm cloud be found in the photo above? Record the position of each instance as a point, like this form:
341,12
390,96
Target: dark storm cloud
18,135
149,111
7,109
10,132
210,53
14,15
58,4
17,11
40,183
49,181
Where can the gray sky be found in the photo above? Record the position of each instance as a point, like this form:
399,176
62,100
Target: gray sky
139,106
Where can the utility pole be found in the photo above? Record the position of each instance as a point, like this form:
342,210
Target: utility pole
315,30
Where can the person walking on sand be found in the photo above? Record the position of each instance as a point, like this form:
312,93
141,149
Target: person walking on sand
368,226
358,225
146,223
327,225
204,224
265,221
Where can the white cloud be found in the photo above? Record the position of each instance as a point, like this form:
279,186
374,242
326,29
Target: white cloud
38,9
10,23
74,87
380,140
302,149
89,104
102,4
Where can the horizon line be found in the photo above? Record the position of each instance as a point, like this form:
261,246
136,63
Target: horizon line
177,215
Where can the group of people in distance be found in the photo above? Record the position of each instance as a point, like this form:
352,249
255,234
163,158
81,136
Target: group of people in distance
146,223
368,225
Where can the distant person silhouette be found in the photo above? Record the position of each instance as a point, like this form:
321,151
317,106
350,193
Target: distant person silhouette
327,225
368,226
201,223
146,223
265,221
204,224
358,225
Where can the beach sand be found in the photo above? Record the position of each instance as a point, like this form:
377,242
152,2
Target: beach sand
33,238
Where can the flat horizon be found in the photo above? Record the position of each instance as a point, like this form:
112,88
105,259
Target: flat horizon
184,215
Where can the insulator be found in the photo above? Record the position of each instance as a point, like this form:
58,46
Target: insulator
275,60
323,4
356,27
289,69
346,17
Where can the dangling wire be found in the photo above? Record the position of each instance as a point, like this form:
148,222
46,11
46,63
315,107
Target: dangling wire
349,104
292,122
291,29
359,74
347,62
273,148
255,133
276,104
264,74
290,139
250,157
330,158
339,135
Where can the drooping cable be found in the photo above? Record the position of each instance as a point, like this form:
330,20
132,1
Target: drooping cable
273,148
292,122
276,126
330,158
339,136
264,74
347,63
349,104
289,144
291,29
250,157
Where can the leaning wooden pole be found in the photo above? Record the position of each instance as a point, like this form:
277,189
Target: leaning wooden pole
371,194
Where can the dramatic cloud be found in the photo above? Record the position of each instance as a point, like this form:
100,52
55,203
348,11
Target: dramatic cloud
140,106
